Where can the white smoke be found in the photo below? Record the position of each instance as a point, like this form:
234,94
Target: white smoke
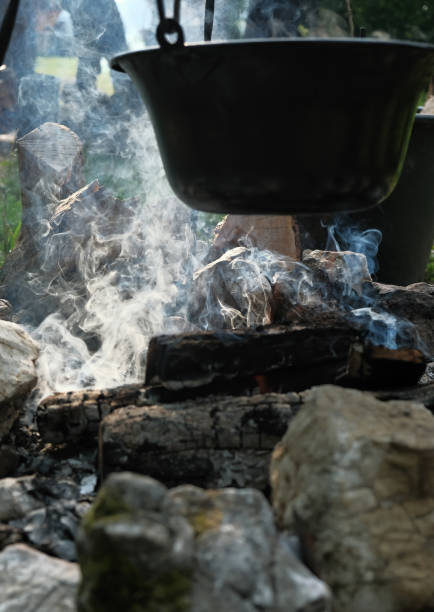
137,296
151,247
144,289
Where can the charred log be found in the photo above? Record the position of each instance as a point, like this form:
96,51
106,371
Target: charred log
328,349
222,441
283,358
75,416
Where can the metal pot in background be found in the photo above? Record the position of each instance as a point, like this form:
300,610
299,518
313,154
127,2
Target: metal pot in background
406,218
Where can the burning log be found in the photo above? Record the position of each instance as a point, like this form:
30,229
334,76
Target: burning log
280,358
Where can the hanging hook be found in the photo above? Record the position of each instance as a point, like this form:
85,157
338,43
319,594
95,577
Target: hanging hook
209,19
169,25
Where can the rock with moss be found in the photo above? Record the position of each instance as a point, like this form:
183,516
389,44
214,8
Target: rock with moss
145,548
133,554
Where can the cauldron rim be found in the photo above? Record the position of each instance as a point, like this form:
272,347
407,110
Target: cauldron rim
350,171
296,42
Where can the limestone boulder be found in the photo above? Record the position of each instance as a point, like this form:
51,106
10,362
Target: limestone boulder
31,581
17,497
18,354
354,476
145,547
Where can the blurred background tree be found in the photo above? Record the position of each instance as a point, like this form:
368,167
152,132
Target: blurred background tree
400,19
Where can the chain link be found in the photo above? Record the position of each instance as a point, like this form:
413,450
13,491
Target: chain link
169,25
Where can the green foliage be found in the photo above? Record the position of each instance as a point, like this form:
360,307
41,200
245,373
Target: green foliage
400,19
10,205
429,274
116,174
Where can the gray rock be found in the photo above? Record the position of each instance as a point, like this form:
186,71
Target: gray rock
51,523
33,582
353,475
189,550
130,550
18,354
5,310
9,535
16,499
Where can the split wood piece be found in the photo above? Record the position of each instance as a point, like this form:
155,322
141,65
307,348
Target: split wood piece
217,442
272,232
74,417
51,168
379,367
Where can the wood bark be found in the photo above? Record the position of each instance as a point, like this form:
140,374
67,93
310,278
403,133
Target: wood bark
75,416
217,442
51,168
327,349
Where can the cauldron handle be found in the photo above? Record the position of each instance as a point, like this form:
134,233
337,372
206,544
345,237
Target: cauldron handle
7,28
209,19
169,25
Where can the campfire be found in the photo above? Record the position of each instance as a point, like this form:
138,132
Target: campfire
264,320
205,415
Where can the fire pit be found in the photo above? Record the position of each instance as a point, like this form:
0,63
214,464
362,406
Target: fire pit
281,126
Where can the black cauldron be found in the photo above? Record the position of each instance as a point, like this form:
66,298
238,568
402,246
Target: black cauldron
285,125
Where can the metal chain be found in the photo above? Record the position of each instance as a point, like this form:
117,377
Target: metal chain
209,19
176,10
169,25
